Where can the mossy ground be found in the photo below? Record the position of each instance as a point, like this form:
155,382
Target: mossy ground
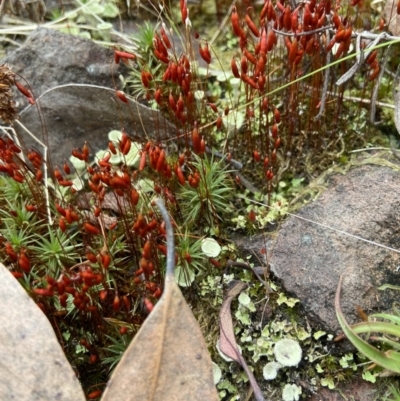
266,317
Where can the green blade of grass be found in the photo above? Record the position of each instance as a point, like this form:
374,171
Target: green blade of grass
376,327
393,344
392,318
385,360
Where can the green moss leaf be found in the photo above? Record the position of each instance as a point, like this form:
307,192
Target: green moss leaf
389,360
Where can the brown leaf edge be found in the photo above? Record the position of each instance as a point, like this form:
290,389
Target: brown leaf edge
33,365
168,359
227,341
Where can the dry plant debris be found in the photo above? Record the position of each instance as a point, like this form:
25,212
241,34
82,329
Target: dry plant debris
227,342
168,358
32,364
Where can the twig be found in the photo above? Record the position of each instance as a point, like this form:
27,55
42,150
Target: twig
397,100
376,87
246,266
303,33
368,149
169,274
361,55
247,184
361,100
327,74
376,37
223,23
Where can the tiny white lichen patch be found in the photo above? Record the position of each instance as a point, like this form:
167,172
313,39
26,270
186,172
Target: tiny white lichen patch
291,392
244,299
217,373
270,370
288,352
210,247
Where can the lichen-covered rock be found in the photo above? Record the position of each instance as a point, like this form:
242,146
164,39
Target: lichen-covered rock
308,259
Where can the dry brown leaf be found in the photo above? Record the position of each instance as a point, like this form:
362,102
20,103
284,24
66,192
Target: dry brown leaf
227,341
168,358
32,364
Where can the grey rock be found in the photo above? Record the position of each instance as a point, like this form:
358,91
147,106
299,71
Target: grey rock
308,259
49,58
72,80
76,113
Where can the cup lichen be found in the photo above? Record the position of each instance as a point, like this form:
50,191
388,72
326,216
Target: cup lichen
288,352
270,370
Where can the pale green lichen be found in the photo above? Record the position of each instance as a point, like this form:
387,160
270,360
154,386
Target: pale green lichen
258,341
283,299
328,382
244,299
347,361
78,164
270,370
217,373
288,352
291,392
210,247
319,334
369,377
